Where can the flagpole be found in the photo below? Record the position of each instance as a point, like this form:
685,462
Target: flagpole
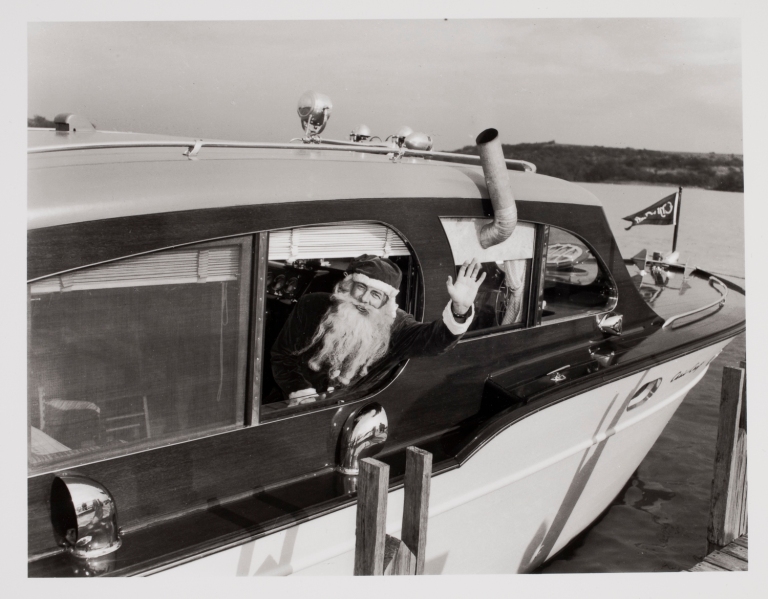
677,217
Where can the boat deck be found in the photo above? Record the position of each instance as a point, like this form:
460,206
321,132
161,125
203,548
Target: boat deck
695,294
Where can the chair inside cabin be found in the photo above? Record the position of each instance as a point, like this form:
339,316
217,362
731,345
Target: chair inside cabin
78,424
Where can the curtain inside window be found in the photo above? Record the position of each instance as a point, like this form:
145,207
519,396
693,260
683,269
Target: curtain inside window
464,236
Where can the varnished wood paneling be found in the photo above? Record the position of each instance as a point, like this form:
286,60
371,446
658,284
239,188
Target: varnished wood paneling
189,475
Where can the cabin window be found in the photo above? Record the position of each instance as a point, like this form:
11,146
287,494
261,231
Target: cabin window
503,298
574,281
137,353
313,260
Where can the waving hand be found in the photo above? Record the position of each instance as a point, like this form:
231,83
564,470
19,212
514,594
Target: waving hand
464,290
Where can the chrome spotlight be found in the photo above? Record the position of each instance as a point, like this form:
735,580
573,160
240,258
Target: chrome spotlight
314,111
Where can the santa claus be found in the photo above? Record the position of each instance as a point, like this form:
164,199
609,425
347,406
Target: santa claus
353,337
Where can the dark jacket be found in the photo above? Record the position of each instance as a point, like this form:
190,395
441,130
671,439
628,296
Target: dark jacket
409,339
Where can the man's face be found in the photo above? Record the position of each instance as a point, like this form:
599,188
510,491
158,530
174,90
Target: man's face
367,297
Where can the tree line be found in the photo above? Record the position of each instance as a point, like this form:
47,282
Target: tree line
598,164
40,121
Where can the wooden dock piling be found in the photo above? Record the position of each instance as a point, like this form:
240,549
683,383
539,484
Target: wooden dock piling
370,530
727,541
377,553
728,505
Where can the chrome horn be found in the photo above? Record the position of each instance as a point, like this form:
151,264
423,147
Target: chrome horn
398,139
84,516
418,141
362,430
360,133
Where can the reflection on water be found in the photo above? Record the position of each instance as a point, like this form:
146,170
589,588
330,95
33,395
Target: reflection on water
658,523
648,497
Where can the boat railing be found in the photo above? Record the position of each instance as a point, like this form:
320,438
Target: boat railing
719,286
193,148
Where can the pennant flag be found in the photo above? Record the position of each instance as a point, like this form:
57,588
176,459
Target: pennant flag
663,212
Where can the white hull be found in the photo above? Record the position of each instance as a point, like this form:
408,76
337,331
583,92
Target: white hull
521,498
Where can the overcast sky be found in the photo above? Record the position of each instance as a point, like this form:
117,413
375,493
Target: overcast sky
665,84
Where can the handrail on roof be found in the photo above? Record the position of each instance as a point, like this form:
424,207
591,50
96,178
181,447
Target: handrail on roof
194,146
719,286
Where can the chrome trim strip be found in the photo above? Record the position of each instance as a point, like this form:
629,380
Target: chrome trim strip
719,286
543,324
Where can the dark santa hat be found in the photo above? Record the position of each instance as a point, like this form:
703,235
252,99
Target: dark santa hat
377,273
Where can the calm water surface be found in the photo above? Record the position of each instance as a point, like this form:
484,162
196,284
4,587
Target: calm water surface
659,521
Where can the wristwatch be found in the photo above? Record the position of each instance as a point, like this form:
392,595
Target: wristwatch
461,317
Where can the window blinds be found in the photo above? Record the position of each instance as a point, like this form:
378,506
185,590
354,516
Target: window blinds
171,267
335,241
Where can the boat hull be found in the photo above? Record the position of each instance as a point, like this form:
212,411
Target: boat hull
518,500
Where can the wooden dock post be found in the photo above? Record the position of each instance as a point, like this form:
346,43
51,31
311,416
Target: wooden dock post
418,476
728,504
370,529
377,553
727,539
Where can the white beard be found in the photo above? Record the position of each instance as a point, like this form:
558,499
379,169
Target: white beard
350,341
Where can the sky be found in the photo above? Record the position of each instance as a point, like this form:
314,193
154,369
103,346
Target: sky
663,83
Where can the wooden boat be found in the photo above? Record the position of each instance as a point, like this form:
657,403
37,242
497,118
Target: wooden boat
160,272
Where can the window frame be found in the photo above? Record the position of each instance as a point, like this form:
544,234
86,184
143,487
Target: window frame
535,296
414,283
530,310
243,364
613,299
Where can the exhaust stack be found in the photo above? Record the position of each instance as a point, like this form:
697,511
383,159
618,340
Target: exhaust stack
499,188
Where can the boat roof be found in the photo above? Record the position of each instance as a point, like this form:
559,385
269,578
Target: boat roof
93,175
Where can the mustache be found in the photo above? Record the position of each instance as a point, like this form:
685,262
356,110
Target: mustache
348,299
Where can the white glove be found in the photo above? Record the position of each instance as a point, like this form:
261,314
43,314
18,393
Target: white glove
304,396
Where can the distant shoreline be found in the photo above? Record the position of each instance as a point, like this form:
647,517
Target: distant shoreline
599,164
653,184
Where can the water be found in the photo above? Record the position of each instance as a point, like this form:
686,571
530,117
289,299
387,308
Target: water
659,521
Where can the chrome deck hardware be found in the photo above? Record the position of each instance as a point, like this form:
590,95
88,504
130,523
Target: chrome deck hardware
362,430
719,286
610,323
67,122
556,375
192,151
643,394
84,516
